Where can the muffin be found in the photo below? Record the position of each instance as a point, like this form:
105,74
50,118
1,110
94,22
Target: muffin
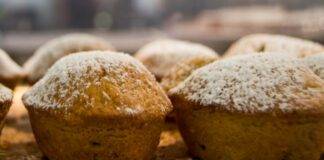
261,43
97,105
183,69
5,102
180,72
10,72
316,63
261,106
161,55
50,52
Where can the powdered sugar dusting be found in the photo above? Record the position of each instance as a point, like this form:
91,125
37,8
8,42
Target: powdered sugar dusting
183,69
250,83
159,56
70,77
5,94
133,110
316,63
57,48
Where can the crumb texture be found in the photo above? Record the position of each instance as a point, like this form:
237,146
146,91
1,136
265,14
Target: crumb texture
55,49
253,83
316,63
261,43
159,56
106,82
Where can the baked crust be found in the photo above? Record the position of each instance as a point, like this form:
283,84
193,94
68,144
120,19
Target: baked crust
254,122
180,72
260,43
217,134
161,55
116,110
183,69
5,102
50,52
316,63
10,72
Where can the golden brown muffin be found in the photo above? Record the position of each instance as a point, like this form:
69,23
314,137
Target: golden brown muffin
5,102
50,52
316,63
97,105
263,106
10,71
161,55
183,69
260,43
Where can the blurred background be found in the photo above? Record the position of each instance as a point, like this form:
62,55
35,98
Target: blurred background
129,24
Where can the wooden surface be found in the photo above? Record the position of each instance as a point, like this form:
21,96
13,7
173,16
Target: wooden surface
17,141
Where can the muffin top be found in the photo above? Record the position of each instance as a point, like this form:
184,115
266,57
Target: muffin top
316,63
183,69
254,83
55,49
5,95
98,83
159,56
8,68
261,43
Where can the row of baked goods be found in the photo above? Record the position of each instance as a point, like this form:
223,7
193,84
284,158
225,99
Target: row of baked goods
263,100
158,56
